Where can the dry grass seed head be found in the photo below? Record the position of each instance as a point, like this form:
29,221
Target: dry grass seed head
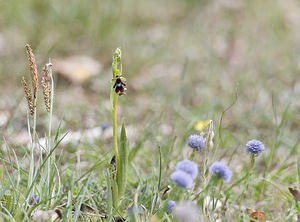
28,96
46,93
47,72
34,72
46,86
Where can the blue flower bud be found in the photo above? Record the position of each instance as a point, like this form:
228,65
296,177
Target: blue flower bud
104,125
255,147
171,206
188,167
182,179
196,142
34,199
222,170
131,209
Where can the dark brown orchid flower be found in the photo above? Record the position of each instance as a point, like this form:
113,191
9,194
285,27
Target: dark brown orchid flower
119,85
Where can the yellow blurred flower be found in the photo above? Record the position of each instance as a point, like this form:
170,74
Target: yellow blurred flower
200,125
82,74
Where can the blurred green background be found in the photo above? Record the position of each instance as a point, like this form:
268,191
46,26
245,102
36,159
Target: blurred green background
185,59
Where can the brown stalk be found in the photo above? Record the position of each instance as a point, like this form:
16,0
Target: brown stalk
28,96
34,72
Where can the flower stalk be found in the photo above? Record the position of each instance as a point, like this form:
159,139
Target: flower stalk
115,129
119,178
48,76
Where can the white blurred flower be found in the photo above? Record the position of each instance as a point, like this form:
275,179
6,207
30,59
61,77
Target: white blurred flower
210,202
187,212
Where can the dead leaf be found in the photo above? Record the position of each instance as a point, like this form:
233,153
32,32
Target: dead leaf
295,193
258,216
87,208
49,215
249,210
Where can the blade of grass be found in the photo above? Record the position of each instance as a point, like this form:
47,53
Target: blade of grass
81,198
158,184
123,164
298,168
109,197
43,164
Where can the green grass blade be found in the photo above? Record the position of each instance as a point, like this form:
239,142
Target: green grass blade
123,163
298,163
109,197
43,164
159,182
80,198
115,193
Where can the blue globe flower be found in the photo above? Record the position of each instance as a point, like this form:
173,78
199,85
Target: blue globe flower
255,147
188,167
171,206
222,170
196,142
104,125
34,199
131,210
182,179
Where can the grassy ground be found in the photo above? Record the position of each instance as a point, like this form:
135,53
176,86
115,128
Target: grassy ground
234,62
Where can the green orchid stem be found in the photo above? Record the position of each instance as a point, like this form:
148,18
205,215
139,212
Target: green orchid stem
115,130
